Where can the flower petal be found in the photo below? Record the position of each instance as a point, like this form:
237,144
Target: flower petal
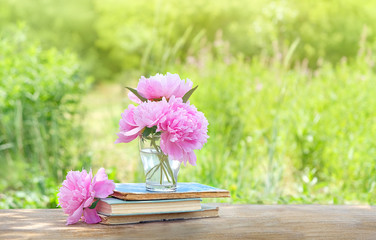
104,188
133,132
91,216
192,158
125,139
75,217
101,175
88,202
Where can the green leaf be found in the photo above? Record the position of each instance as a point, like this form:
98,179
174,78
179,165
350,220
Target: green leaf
94,204
188,94
134,91
147,131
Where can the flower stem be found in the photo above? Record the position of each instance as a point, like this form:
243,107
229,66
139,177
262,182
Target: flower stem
168,167
165,172
149,173
164,164
160,182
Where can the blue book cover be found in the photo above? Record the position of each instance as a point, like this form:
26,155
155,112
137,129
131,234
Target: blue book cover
137,191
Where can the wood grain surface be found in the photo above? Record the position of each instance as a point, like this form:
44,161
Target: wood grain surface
235,222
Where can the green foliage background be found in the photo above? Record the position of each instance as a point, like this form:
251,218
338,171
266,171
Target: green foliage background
287,86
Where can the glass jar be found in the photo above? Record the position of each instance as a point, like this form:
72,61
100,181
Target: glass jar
161,172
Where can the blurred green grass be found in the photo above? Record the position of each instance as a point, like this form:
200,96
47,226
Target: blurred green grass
287,86
40,135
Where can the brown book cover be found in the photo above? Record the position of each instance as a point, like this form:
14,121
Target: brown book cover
137,191
206,212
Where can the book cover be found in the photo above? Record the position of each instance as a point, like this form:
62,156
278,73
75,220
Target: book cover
206,212
137,191
114,206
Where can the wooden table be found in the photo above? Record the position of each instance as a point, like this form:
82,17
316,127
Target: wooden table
235,222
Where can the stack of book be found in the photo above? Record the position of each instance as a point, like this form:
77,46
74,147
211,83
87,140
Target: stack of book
131,203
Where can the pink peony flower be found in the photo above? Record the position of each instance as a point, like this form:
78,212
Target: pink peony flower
129,130
135,119
159,86
78,193
147,114
184,129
